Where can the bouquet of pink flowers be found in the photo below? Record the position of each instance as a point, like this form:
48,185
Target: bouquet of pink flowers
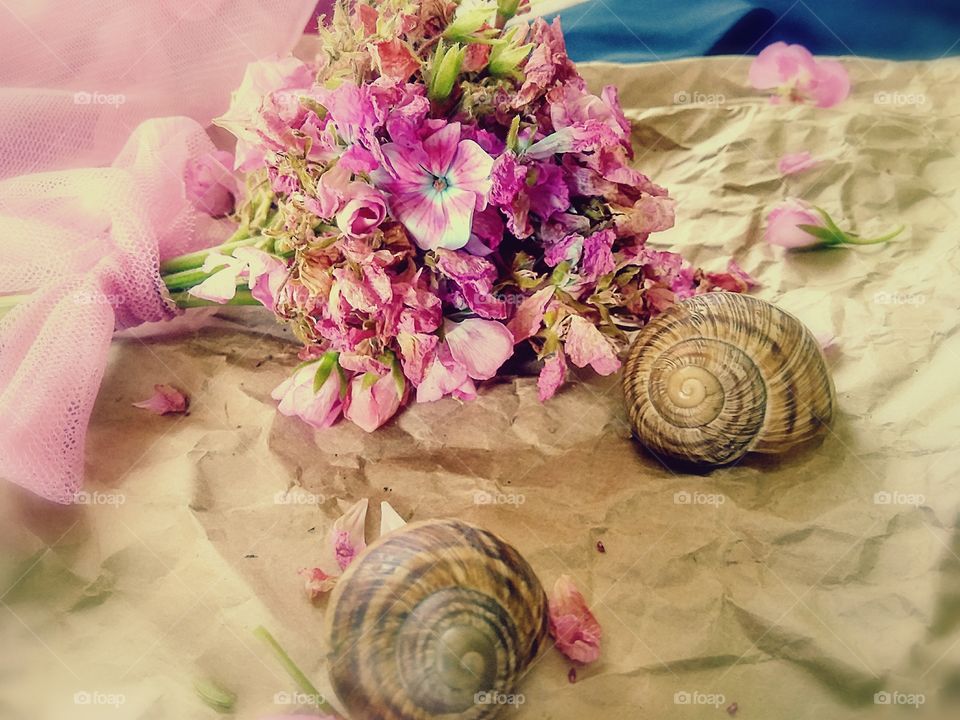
436,190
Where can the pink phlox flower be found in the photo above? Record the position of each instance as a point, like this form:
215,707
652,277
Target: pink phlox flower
436,186
343,543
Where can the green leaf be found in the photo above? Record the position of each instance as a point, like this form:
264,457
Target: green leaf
324,368
514,134
828,236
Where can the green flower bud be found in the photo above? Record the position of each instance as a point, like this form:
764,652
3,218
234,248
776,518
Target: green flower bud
507,8
507,55
467,24
443,71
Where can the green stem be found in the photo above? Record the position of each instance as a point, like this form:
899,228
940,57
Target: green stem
11,301
194,260
186,300
186,279
857,240
302,681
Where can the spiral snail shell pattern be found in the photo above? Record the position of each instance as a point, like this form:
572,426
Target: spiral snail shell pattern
430,620
722,374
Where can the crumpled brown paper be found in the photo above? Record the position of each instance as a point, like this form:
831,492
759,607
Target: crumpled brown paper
825,584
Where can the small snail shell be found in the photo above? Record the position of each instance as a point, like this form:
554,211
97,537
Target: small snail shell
429,616
723,374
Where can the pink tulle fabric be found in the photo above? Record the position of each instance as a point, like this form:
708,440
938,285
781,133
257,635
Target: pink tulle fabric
102,102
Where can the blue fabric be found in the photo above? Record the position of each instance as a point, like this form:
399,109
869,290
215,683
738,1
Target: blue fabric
649,30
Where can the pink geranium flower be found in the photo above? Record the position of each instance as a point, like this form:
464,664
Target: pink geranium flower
798,76
436,186
573,627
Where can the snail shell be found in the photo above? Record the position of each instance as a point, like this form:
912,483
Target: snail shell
429,616
723,374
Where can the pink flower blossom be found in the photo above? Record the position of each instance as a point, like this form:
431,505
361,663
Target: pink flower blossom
573,627
783,223
243,119
793,163
436,187
209,183
798,76
298,397
165,400
445,376
363,212
585,345
374,399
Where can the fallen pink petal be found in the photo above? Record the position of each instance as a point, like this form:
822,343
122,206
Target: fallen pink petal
793,163
798,77
575,630
166,400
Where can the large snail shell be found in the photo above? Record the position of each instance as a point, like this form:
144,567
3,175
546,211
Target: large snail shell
723,374
429,616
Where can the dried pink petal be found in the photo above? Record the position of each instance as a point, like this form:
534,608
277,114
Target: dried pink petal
165,400
793,163
346,538
585,345
529,316
317,582
552,375
573,627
